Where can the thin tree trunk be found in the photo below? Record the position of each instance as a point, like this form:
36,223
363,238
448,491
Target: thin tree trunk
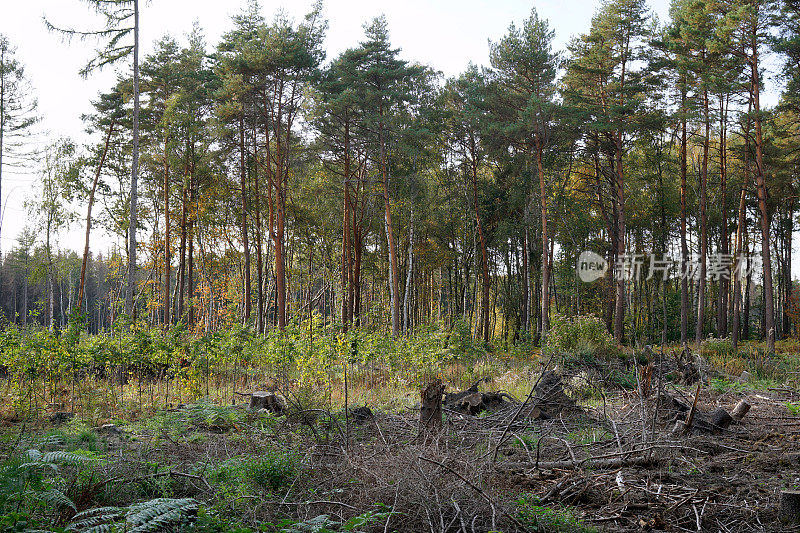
761,192
545,243
409,273
245,236
684,243
394,283
92,192
131,281
724,282
701,290
167,256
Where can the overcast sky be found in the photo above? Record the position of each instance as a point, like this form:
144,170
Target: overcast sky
444,34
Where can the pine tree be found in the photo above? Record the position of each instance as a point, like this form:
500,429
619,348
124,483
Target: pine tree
121,22
526,69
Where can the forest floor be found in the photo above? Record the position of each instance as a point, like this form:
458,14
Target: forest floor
610,462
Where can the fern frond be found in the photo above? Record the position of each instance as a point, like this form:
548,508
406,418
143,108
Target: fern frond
97,520
34,455
57,499
65,457
161,514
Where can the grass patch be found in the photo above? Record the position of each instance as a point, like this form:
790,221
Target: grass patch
549,520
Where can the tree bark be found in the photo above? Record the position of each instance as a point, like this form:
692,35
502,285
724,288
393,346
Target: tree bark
131,281
545,242
761,192
245,236
92,191
701,291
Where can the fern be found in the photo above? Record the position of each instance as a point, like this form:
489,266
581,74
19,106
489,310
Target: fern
57,499
37,459
97,520
162,514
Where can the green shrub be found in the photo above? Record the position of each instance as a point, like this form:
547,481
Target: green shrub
548,520
271,471
582,338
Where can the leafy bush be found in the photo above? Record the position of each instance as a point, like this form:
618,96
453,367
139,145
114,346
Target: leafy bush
271,471
583,336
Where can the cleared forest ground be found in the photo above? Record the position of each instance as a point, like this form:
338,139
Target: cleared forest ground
607,454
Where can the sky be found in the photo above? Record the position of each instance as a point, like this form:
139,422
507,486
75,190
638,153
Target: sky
447,35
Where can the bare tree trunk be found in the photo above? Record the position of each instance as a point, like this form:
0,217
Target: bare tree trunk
761,192
167,257
132,222
701,290
545,243
409,273
245,236
394,283
92,192
724,282
619,307
684,243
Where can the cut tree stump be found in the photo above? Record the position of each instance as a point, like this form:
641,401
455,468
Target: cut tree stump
266,400
720,418
740,410
430,414
789,512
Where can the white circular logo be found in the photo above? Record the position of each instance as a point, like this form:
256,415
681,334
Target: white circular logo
591,266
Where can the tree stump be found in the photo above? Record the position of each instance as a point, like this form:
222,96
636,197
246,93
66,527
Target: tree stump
430,414
789,512
721,419
266,400
740,410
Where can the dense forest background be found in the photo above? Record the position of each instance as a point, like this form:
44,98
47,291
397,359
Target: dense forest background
274,184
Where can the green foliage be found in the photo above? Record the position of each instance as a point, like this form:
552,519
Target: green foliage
270,471
37,481
716,347
324,523
584,336
153,516
549,520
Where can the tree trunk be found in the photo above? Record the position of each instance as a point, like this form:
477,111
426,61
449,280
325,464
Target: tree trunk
701,290
545,243
484,322
684,243
394,283
619,307
409,272
724,282
245,236
131,281
761,192
97,173
167,257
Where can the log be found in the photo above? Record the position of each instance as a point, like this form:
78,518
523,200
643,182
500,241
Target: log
789,512
430,414
597,464
740,410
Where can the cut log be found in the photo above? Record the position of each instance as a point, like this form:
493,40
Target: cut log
267,400
472,402
430,414
740,410
789,512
